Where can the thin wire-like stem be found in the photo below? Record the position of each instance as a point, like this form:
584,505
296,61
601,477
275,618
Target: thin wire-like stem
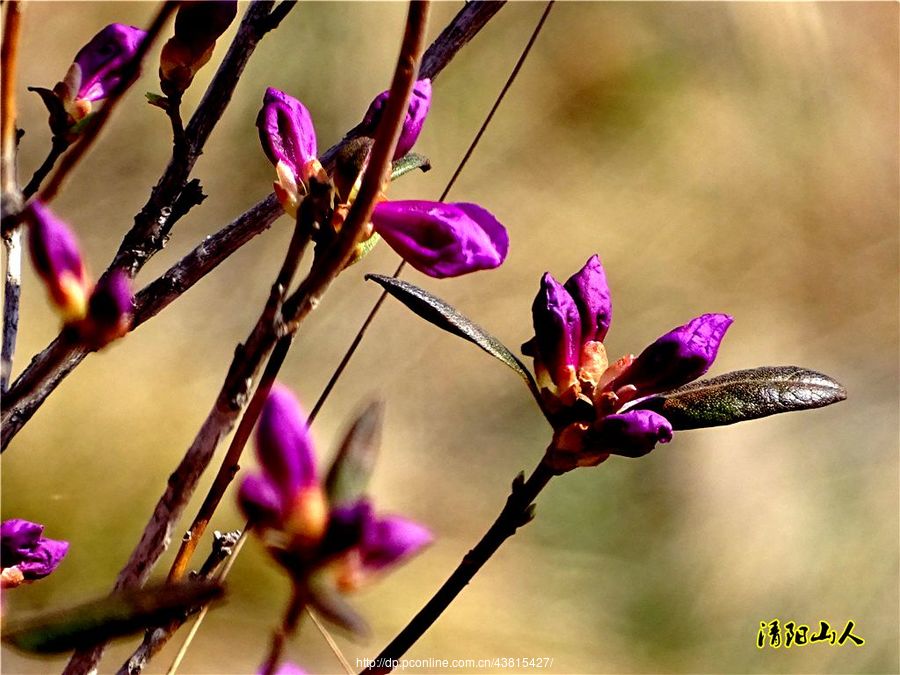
98,121
329,640
517,511
57,147
360,334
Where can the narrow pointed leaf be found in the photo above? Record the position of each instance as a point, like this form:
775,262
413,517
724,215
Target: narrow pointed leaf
437,312
409,162
350,472
330,605
107,618
745,395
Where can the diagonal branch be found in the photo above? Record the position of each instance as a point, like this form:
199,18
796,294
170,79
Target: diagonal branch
55,362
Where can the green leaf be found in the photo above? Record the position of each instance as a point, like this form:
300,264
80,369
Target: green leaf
409,162
350,472
745,395
437,312
109,617
157,100
330,604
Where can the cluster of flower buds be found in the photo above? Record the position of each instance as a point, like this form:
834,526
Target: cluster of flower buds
584,393
97,70
94,314
25,554
198,24
440,240
289,507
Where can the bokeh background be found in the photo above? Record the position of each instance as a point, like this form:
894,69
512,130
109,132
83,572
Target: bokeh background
736,157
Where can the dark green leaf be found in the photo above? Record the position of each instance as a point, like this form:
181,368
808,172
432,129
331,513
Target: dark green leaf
745,395
437,312
349,474
109,617
409,162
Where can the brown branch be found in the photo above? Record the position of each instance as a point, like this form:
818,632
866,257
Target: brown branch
55,362
129,74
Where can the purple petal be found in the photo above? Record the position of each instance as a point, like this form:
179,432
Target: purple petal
57,259
633,433
679,356
442,240
589,290
286,131
24,547
419,104
390,540
557,327
261,501
283,444
287,668
103,58
109,309
17,537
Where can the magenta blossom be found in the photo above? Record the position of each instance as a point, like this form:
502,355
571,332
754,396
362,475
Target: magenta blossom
57,260
109,311
288,506
573,372
419,104
98,68
25,554
441,240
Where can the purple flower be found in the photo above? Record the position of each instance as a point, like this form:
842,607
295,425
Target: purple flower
583,393
681,355
419,104
557,332
365,544
590,292
57,260
25,554
442,240
198,25
347,543
109,310
98,68
632,434
287,495
286,668
289,140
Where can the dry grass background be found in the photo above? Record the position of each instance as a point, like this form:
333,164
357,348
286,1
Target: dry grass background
719,157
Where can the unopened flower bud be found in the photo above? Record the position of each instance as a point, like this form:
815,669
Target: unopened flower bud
557,332
57,260
198,25
590,292
109,310
442,240
25,554
631,434
679,356
419,104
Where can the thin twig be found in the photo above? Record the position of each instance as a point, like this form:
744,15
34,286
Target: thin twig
98,121
360,334
339,655
57,147
517,511
57,360
287,628
12,287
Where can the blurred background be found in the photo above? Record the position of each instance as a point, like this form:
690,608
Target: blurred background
728,157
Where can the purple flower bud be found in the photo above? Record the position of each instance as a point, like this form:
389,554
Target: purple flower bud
631,434
557,330
261,501
369,544
591,294
283,444
56,258
286,131
679,356
198,25
419,103
22,546
102,60
286,668
442,240
109,310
